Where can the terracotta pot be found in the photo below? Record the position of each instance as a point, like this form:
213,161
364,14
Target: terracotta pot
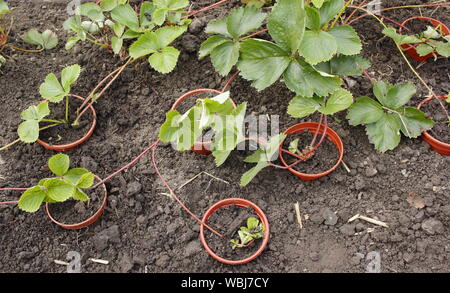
87,222
437,145
411,49
75,144
202,148
242,203
331,136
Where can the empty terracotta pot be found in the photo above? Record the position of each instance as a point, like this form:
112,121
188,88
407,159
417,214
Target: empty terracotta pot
437,145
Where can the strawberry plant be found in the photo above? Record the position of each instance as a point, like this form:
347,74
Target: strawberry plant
45,41
247,234
431,41
387,116
116,25
68,183
53,91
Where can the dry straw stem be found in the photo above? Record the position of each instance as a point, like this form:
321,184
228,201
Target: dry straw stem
299,216
367,219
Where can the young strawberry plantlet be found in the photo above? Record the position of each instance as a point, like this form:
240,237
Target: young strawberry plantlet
387,116
248,234
115,24
45,41
432,41
68,184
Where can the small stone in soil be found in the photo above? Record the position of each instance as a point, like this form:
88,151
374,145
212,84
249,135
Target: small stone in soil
329,217
348,229
432,226
134,188
371,172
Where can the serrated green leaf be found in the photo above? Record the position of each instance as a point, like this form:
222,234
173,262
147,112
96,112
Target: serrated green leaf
108,5
293,146
312,18
58,190
144,45
74,175
318,3
393,96
262,62
244,20
414,122
171,4
225,56
125,14
50,39
400,39
252,223
424,49
86,181
36,112
385,133
146,12
164,61
33,37
364,111
248,176
59,164
347,39
166,35
72,21
69,76
31,200
218,26
28,131
51,89
170,127
329,10
443,49
159,16
318,46
287,24
93,11
304,80
210,44
344,66
300,107
71,42
339,100
80,195
116,44
4,7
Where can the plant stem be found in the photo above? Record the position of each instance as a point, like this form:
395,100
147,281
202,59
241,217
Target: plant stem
106,46
89,98
206,8
347,4
67,109
24,50
53,121
254,34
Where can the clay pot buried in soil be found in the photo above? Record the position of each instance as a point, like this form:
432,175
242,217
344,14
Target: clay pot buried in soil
312,127
437,145
411,49
88,221
75,144
200,147
242,203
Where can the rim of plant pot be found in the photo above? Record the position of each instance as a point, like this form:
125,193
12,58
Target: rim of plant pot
91,220
312,127
437,145
200,147
411,49
75,144
242,203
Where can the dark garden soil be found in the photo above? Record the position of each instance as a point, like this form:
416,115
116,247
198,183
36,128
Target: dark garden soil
228,220
144,231
69,133
441,130
323,158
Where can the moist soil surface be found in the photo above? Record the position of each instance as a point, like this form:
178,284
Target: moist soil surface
69,133
144,231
